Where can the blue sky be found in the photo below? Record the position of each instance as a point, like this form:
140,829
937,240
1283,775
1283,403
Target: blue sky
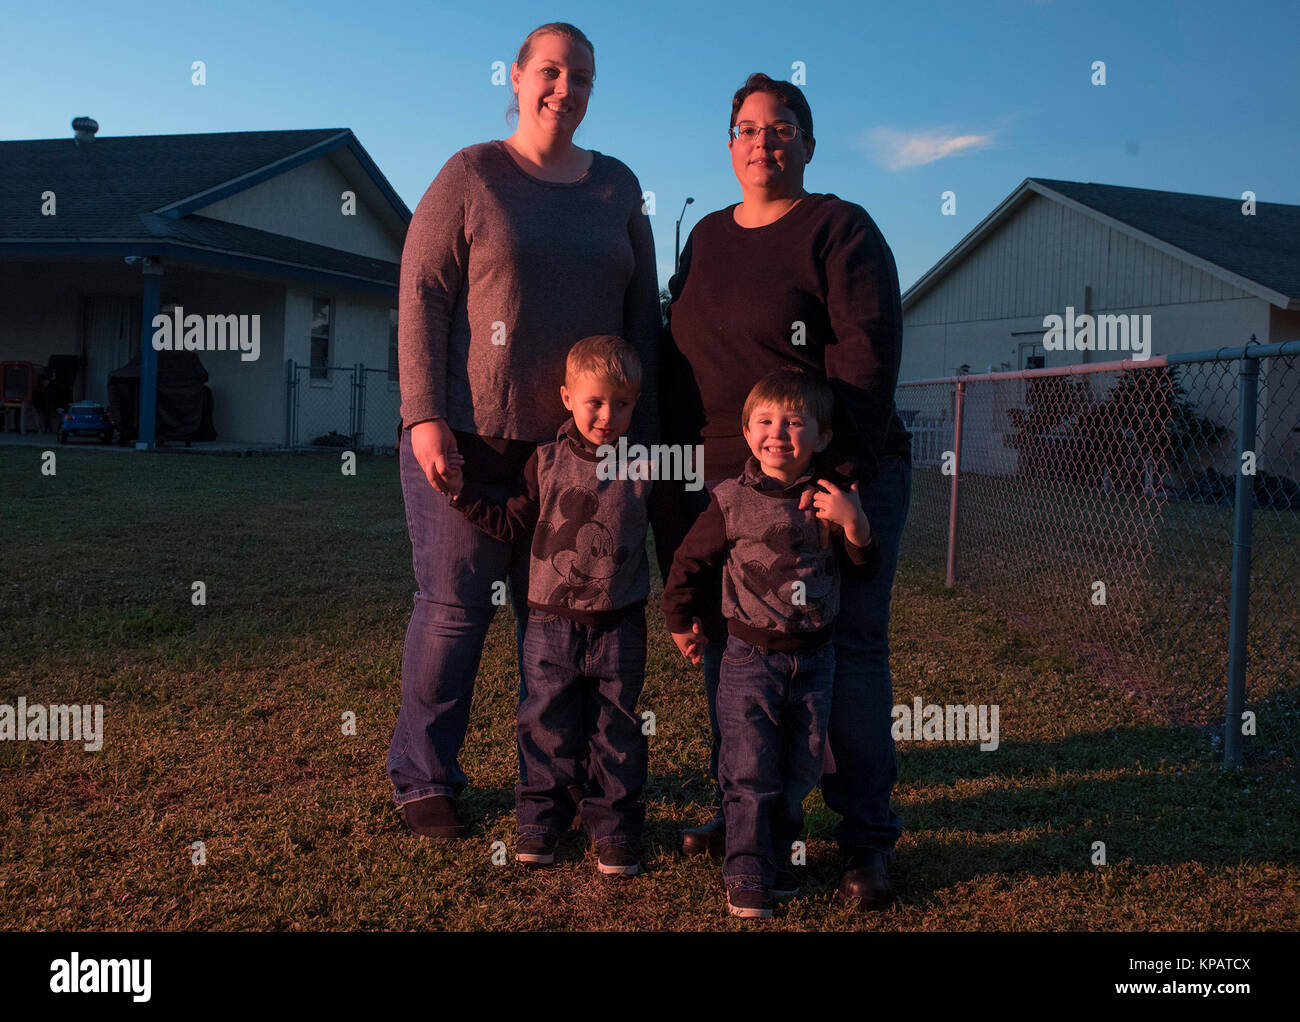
909,100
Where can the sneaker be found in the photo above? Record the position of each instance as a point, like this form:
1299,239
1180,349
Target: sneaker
435,817
748,903
616,860
785,884
536,851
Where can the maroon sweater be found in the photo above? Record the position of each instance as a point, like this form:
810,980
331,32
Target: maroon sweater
736,300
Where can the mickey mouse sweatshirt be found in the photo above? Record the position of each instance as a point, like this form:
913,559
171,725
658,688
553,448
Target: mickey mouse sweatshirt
588,557
780,565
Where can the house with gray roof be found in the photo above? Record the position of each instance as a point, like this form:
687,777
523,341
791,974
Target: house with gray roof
1149,273
1209,272
300,229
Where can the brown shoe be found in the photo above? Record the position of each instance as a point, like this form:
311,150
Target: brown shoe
434,817
576,795
865,884
710,839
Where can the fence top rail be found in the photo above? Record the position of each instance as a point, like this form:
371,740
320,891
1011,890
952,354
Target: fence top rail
1241,351
1154,362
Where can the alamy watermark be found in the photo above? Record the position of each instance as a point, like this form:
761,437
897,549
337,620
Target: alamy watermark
179,332
658,461
1101,333
949,723
56,723
75,975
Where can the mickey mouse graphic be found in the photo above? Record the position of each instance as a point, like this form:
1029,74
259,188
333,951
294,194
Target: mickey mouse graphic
788,541
579,549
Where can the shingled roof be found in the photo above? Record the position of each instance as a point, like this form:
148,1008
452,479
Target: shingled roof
1264,247
1260,253
137,193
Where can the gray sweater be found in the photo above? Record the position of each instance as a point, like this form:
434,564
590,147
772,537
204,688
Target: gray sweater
588,532
780,566
502,273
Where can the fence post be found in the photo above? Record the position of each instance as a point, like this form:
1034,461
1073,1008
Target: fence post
361,403
956,474
352,405
290,393
1242,528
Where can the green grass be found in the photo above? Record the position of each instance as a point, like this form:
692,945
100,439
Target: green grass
1034,549
223,725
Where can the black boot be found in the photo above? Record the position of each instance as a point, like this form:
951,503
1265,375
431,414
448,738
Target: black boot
710,839
865,884
434,817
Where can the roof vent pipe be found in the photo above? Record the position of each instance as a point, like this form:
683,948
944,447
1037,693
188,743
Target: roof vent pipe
84,129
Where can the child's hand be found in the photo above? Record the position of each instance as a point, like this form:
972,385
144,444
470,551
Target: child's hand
844,509
453,474
691,643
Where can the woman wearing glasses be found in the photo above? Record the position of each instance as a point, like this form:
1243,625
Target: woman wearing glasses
519,248
788,277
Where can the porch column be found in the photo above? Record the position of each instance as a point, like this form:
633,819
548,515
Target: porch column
151,299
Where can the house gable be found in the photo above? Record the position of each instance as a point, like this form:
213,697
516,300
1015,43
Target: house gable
1038,260
306,203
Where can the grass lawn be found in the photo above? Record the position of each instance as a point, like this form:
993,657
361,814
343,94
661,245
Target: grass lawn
223,726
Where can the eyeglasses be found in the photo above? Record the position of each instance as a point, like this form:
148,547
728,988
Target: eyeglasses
748,132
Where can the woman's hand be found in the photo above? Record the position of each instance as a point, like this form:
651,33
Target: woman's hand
434,447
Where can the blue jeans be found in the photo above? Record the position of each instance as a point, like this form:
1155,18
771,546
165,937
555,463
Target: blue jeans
456,568
578,724
773,709
861,769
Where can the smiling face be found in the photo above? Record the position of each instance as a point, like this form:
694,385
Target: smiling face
554,85
783,441
601,408
766,165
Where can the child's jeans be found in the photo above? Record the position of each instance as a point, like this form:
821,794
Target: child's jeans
773,709
582,687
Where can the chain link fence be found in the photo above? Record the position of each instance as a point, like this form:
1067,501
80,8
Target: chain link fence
1144,514
380,409
350,407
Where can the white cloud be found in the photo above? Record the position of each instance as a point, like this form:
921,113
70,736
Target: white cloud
898,150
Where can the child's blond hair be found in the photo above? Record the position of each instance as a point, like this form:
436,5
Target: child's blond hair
607,357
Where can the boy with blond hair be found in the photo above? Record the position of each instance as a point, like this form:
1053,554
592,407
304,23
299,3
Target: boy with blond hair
585,643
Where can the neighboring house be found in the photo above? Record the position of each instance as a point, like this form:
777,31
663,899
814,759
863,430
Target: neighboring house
297,227
1208,276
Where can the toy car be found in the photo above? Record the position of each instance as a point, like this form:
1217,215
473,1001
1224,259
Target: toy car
86,417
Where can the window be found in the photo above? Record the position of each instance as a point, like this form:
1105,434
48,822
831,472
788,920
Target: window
392,345
321,315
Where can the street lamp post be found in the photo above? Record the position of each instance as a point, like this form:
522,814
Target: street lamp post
677,244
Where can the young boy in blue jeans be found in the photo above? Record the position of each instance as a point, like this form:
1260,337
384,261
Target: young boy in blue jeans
781,536
585,643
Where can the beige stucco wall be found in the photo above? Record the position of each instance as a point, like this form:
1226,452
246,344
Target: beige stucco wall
360,334
41,314
306,203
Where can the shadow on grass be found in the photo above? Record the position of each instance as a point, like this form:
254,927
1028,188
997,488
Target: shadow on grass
1162,798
